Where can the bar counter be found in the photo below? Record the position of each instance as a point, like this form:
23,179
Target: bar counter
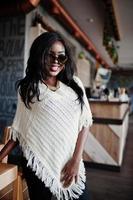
107,136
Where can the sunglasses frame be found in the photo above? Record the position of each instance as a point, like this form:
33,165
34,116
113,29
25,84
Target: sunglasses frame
52,57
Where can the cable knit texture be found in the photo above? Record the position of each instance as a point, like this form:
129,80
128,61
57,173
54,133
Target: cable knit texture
48,133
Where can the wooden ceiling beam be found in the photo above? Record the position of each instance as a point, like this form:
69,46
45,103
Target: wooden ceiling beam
15,7
111,16
116,18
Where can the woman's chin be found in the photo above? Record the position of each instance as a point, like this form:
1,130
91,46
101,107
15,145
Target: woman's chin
54,73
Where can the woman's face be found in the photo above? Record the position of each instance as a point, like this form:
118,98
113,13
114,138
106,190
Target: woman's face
56,59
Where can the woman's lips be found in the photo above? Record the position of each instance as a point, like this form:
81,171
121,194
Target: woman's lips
54,68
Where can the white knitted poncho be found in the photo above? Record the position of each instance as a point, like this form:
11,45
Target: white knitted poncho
48,133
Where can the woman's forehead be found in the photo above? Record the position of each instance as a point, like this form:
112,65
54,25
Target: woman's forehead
57,47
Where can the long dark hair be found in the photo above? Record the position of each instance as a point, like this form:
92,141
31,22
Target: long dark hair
36,71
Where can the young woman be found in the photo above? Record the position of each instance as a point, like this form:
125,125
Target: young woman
51,122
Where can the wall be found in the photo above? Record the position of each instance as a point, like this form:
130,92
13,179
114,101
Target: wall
12,32
84,71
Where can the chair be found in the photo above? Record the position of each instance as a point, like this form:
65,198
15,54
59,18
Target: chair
6,135
9,173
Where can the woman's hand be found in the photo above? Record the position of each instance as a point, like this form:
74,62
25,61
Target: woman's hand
71,169
70,172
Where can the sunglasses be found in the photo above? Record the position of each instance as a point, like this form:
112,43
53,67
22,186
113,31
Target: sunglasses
61,58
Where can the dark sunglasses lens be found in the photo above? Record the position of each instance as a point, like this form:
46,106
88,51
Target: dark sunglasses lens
62,58
51,58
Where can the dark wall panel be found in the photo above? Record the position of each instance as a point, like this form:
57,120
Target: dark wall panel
12,33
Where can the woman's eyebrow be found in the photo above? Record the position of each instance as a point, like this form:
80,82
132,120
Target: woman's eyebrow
57,52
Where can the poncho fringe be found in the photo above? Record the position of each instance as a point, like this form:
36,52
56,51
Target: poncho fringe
55,187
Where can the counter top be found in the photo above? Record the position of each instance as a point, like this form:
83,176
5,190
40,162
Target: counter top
113,101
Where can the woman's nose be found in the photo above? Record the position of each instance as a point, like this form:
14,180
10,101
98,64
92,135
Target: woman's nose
56,60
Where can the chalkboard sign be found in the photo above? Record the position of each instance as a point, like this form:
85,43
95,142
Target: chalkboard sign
12,33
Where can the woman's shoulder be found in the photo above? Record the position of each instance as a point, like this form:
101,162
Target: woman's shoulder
78,81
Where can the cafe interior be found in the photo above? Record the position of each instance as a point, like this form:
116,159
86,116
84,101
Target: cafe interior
100,34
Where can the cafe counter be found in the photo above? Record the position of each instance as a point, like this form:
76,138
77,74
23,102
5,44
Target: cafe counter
107,136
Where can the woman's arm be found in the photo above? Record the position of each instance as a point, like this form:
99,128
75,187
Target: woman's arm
78,152
10,145
71,169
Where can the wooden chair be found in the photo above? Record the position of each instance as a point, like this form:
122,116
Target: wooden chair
6,135
9,173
